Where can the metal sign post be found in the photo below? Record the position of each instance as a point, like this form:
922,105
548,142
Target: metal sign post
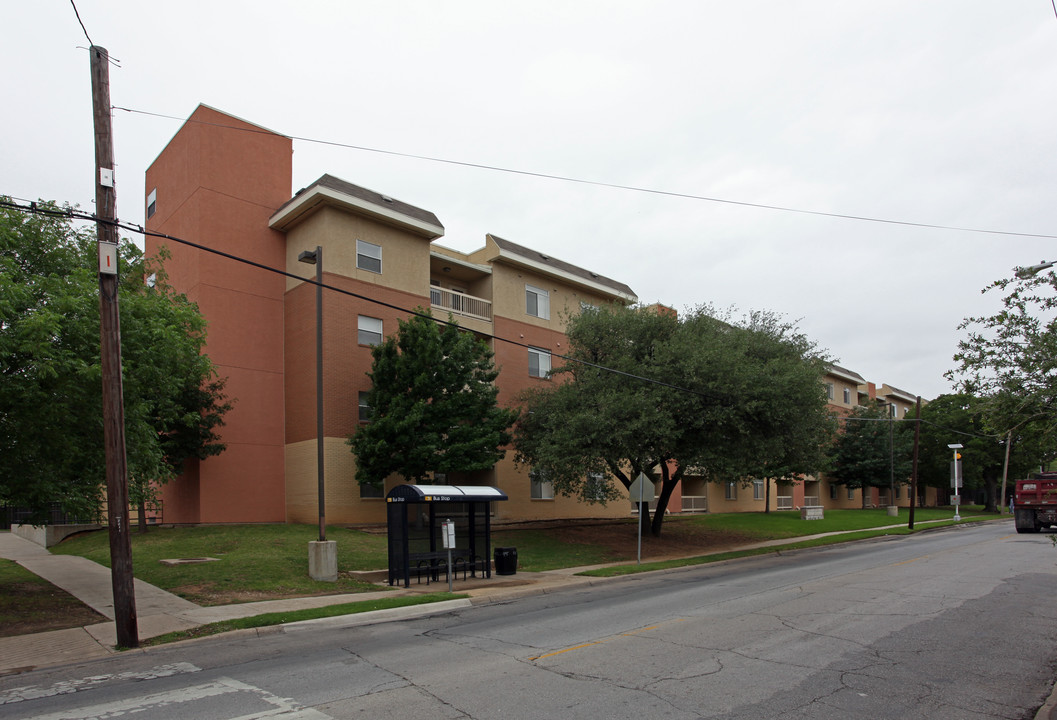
448,538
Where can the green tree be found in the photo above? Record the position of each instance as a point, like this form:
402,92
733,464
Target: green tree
965,419
51,428
433,405
871,451
1009,361
648,392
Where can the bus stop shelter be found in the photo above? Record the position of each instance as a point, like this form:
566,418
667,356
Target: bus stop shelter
414,515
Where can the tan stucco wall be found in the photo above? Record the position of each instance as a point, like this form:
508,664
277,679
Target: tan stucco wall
405,257
508,296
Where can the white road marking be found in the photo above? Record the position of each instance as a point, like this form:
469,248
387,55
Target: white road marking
283,708
32,692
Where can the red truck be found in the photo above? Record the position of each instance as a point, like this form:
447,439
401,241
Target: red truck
1035,503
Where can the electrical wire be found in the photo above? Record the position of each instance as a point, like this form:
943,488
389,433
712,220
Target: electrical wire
614,186
33,207
75,12
77,215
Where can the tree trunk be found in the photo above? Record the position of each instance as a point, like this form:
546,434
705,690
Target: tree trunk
767,496
141,516
668,483
990,493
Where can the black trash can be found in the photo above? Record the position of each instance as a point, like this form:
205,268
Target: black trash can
505,561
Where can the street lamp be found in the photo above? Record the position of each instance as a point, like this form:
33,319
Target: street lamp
956,479
1026,272
322,555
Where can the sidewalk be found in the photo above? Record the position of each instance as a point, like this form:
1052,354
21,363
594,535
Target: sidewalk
160,612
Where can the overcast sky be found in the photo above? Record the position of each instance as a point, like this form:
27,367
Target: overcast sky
941,112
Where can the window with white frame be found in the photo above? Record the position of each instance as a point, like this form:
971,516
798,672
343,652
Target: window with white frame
757,489
829,391
370,330
537,302
847,396
369,256
542,487
539,362
595,488
732,491
152,203
851,493
832,492
365,409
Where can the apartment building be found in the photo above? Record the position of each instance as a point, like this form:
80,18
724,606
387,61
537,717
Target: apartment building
225,184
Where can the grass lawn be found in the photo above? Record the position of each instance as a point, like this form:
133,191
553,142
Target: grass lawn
30,604
254,562
258,562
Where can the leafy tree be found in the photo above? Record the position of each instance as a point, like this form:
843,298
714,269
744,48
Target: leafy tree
51,427
1009,361
965,419
433,405
870,451
735,399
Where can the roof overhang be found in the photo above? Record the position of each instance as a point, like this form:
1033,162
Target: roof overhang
518,259
318,196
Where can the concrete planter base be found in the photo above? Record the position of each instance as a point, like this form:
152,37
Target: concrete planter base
323,560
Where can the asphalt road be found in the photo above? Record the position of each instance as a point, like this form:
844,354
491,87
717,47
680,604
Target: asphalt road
958,623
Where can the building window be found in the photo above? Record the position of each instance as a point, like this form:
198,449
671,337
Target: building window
539,362
897,491
365,409
542,487
152,203
369,256
847,396
757,489
893,410
851,493
595,489
829,391
832,492
537,302
371,491
732,491
370,330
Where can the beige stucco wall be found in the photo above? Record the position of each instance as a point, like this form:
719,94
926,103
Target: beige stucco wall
342,492
405,257
508,296
839,386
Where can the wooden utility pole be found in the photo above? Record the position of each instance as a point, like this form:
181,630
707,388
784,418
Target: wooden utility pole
110,356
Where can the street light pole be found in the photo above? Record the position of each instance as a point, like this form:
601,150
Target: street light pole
322,555
956,479
316,258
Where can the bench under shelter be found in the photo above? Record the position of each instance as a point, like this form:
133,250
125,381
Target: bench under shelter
415,514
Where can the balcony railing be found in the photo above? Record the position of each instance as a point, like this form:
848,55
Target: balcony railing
785,502
695,503
460,303
811,500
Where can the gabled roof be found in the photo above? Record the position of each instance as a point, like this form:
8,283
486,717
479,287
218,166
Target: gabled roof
329,190
521,255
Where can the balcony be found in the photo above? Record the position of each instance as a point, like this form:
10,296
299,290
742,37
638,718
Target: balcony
459,303
695,503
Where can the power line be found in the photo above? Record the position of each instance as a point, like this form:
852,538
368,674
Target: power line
614,186
81,23
73,214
